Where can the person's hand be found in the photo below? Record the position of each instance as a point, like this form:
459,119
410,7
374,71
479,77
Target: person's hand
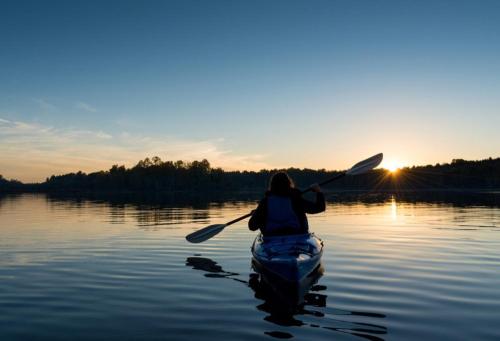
315,188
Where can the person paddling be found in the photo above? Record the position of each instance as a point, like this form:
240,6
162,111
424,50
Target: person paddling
260,219
283,210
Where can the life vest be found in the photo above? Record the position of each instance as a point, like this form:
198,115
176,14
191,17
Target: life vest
280,215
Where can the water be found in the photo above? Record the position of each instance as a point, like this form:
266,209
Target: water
395,270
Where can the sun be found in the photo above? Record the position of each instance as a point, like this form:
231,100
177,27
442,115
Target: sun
392,166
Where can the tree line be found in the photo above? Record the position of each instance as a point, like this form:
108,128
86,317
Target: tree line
153,174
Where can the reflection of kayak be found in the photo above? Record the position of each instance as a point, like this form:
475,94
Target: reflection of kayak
291,258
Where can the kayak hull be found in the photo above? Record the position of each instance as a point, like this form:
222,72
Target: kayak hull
283,295
291,258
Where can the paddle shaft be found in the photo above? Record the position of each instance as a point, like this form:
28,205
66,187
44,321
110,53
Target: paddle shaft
336,177
238,219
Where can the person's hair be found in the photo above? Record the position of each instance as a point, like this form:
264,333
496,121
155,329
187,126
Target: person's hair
281,184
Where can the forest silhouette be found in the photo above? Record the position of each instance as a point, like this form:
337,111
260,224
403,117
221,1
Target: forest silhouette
153,174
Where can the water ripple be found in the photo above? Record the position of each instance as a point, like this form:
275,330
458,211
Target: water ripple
98,270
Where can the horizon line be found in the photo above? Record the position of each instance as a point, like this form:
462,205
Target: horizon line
256,171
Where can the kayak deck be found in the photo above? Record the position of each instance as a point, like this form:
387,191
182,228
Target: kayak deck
290,257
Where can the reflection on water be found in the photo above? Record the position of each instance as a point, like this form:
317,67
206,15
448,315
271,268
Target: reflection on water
287,303
396,267
160,210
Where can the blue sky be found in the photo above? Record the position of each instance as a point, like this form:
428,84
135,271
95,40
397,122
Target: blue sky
247,85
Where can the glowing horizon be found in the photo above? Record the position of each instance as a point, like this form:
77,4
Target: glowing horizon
33,152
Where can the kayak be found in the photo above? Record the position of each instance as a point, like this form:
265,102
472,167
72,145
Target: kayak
292,258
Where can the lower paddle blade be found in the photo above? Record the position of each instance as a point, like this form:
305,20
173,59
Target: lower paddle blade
205,233
366,165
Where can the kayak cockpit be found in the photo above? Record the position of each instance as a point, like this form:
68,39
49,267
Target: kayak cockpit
291,257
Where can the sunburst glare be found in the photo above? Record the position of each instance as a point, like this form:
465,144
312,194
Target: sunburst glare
392,165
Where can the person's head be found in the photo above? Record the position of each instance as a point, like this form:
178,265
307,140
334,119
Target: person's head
281,184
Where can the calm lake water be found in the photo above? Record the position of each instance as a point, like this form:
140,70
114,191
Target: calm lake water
393,270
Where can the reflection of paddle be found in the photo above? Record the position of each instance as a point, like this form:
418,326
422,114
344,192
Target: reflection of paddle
291,313
213,269
212,230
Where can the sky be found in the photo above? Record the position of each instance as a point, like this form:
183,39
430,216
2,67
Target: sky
246,84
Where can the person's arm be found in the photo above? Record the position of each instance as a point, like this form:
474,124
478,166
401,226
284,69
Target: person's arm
315,207
258,218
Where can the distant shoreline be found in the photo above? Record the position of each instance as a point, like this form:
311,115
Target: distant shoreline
169,177
242,192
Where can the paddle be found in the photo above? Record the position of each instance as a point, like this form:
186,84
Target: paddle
359,168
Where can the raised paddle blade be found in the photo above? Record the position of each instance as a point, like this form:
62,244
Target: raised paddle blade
205,233
366,165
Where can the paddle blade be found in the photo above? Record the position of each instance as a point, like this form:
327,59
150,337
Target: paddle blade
366,165
205,233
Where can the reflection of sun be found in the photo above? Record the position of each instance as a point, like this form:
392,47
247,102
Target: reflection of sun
394,208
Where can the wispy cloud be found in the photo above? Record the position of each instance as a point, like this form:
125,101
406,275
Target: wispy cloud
85,107
31,151
44,105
